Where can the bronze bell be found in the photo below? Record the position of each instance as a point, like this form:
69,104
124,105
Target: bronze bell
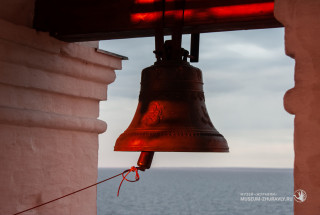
171,115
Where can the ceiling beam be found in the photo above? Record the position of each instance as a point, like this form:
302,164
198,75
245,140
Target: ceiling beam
85,20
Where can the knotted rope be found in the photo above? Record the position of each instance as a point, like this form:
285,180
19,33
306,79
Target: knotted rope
126,172
132,169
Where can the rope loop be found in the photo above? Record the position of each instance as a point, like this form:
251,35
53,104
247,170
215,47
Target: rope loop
124,176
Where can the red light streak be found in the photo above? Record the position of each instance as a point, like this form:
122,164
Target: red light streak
149,1
193,15
145,1
145,17
243,10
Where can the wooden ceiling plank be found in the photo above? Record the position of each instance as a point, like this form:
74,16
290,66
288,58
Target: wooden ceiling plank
86,20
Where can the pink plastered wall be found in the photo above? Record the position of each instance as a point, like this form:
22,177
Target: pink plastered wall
49,105
301,19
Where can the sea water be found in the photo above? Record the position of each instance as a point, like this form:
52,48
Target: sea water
198,191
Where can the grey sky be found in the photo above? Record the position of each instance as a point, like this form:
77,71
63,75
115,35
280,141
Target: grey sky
246,74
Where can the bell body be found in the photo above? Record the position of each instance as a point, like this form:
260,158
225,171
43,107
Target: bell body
171,115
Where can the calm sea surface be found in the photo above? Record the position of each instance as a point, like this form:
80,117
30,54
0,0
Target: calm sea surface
198,191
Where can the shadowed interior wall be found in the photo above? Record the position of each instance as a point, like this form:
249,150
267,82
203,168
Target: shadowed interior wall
49,105
17,11
301,19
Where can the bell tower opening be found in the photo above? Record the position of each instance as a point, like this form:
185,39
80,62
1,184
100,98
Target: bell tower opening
245,74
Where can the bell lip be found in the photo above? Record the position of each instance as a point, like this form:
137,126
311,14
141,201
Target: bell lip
223,150
204,142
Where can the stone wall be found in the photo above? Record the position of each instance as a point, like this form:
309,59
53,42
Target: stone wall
17,11
49,105
301,19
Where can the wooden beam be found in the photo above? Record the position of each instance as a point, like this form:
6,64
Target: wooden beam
85,20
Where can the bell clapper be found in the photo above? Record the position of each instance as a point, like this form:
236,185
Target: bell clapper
145,160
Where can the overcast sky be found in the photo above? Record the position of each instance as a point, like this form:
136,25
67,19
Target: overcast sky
246,74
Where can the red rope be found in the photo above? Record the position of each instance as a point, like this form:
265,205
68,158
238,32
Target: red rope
137,177
132,169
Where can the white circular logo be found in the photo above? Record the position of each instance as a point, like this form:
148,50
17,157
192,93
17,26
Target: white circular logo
300,196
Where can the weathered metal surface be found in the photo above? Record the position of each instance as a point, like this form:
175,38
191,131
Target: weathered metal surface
171,115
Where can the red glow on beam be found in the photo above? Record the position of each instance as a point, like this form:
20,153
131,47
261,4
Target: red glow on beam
145,17
145,1
149,1
154,16
242,10
194,15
